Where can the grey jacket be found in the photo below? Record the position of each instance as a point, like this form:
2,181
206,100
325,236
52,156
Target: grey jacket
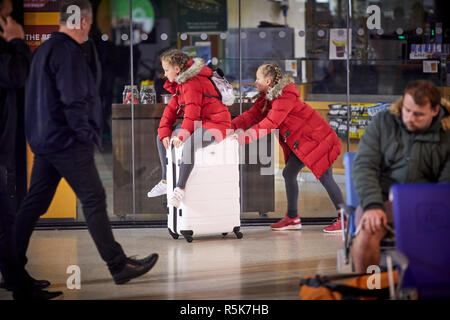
389,154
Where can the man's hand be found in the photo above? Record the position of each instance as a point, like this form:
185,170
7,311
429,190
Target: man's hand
166,142
177,142
373,220
11,29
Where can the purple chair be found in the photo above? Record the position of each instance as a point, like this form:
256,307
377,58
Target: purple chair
422,229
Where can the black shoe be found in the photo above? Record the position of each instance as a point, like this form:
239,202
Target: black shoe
38,284
135,268
37,294
140,262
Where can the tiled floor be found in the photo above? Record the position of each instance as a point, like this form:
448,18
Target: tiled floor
262,265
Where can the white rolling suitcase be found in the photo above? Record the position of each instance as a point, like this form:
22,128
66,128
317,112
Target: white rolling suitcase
211,203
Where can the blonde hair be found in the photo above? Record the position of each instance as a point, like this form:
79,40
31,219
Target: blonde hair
176,58
271,70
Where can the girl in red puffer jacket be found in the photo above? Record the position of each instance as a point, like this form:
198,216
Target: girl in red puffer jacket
206,118
305,137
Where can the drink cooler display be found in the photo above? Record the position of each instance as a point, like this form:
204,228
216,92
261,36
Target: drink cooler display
211,203
361,115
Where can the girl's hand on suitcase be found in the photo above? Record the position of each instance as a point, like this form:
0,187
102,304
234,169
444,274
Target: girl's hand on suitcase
239,135
166,142
177,142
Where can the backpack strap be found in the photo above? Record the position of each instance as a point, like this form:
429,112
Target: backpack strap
217,90
211,96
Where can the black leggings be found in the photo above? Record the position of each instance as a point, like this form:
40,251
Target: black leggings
290,173
200,138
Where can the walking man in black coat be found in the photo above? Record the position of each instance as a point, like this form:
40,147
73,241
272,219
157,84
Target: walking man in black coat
62,125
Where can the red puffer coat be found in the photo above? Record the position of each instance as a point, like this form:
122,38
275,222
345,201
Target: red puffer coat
195,96
302,130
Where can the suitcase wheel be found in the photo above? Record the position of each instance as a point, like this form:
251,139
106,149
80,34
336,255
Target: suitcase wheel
187,234
174,235
224,234
239,234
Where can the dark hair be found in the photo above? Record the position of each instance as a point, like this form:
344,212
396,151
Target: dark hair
84,5
423,92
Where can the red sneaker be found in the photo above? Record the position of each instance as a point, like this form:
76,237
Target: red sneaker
335,227
287,224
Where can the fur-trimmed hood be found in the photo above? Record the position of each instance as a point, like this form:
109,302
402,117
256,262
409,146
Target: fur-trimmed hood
396,108
196,68
276,90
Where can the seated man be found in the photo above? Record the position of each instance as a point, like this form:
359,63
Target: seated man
410,143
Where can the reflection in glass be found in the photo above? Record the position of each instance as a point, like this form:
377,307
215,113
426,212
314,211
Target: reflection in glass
299,41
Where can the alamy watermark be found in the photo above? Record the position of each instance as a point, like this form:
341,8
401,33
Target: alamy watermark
74,280
374,20
260,151
74,20
374,281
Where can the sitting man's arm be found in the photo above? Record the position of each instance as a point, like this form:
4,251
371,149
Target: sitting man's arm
374,221
444,176
366,177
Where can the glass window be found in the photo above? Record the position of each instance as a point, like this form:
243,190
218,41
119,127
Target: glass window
337,52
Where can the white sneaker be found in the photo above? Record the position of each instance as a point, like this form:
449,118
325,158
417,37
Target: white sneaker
176,197
158,190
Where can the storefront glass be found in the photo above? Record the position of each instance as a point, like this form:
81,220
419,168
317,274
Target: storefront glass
390,43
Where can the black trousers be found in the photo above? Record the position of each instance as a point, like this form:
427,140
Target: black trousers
75,164
13,273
